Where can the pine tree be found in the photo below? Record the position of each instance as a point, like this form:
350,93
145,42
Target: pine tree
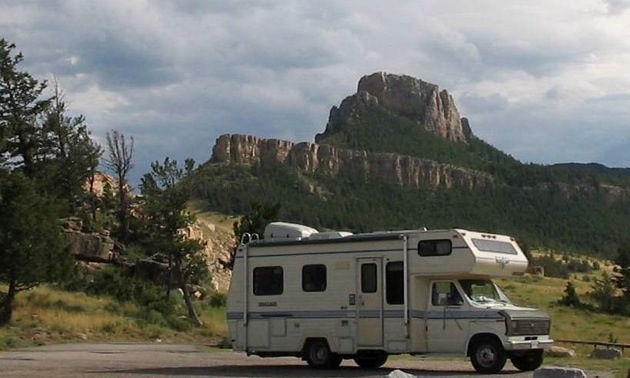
21,106
31,249
73,156
254,222
622,278
166,194
570,297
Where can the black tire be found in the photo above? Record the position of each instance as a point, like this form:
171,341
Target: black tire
529,361
318,356
371,361
488,356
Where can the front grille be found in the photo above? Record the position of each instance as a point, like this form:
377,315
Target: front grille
522,327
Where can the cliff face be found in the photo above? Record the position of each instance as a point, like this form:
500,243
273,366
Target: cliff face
409,97
381,167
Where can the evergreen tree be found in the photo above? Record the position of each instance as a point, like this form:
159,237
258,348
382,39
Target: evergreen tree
570,297
31,249
622,278
254,222
604,293
21,107
166,194
73,155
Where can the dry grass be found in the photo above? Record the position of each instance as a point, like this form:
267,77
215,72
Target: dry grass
572,324
221,221
44,315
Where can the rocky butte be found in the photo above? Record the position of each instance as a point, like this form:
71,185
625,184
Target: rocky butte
422,102
409,97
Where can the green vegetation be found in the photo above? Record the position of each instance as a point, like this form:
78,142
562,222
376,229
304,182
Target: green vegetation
47,315
46,160
549,218
571,323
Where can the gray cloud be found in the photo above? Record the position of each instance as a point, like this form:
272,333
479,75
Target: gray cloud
545,82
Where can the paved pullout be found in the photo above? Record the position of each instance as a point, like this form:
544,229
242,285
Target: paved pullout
164,360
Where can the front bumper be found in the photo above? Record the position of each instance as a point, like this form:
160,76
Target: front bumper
527,344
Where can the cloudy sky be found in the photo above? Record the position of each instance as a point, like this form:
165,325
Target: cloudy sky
545,81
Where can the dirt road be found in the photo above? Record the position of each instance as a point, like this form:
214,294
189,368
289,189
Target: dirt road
145,360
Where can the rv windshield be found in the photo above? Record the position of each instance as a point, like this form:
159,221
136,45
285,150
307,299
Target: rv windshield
483,291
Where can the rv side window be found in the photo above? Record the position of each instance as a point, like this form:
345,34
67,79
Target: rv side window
445,294
268,280
394,281
314,277
442,247
368,278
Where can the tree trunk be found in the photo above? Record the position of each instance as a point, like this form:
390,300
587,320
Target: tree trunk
181,278
169,283
192,314
6,305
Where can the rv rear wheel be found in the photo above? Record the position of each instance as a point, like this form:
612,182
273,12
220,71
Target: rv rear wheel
529,361
371,361
318,355
487,356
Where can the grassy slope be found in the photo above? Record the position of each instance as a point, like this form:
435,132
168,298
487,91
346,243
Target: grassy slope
571,324
44,315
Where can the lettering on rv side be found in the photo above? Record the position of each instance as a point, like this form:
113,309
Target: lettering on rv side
268,304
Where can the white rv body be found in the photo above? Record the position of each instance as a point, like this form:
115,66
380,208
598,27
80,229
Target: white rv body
365,296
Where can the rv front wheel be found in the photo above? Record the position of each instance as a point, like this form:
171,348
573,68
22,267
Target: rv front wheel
318,355
529,361
487,356
371,361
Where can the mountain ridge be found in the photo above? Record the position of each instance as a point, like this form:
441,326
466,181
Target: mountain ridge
385,162
309,157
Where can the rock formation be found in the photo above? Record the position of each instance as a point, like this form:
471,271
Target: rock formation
315,158
219,245
403,95
96,247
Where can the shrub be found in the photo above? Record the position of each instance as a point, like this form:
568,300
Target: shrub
218,299
570,297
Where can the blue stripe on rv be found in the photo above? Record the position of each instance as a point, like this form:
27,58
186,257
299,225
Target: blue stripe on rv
389,314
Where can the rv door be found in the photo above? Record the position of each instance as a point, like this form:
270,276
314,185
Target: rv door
369,302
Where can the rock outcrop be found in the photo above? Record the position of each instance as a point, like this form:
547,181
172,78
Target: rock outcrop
315,158
96,247
403,95
219,244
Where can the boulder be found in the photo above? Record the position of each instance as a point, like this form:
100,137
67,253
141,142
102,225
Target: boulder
399,374
557,351
559,372
607,354
89,246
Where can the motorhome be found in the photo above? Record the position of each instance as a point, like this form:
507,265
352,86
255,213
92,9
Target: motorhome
328,296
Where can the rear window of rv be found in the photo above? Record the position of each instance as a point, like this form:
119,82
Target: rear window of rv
494,246
268,280
314,277
440,247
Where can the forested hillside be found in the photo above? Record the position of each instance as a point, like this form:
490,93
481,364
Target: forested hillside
577,207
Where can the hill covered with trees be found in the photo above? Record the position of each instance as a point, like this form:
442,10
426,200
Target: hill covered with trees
397,155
